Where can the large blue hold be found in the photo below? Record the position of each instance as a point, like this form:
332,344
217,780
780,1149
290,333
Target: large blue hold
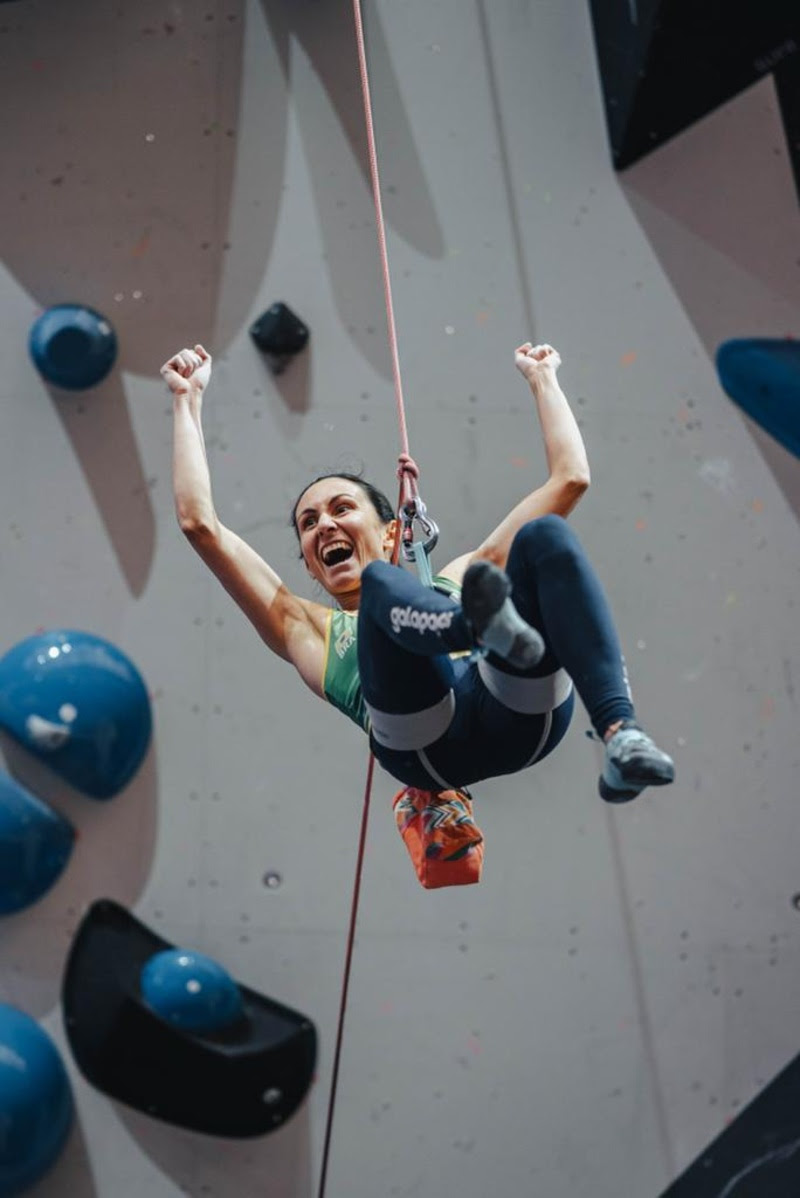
79,704
35,845
762,376
73,346
36,1106
190,991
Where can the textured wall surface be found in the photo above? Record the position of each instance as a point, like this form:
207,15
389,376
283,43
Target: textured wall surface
623,981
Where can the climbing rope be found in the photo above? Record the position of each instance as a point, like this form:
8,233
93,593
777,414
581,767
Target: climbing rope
412,511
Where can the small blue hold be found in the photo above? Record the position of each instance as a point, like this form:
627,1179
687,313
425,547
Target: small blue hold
36,1107
78,704
35,845
73,346
191,991
762,376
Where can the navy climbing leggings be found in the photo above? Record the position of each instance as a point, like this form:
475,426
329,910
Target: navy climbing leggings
440,721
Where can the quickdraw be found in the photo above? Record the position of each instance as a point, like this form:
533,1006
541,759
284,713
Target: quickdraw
415,549
412,510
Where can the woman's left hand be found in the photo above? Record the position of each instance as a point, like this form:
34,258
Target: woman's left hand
534,360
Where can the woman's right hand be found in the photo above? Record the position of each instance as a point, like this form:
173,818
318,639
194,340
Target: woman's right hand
188,371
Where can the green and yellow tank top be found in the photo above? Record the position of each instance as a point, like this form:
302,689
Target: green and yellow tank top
341,683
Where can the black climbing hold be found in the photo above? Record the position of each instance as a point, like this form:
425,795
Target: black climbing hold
280,334
664,64
239,1081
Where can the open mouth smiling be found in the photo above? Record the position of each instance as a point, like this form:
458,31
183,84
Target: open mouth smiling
336,552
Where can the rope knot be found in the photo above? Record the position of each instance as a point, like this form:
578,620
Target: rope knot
407,466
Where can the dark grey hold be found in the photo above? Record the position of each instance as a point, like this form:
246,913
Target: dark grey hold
280,335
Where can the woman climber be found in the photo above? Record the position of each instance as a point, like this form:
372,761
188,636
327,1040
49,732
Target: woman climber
464,681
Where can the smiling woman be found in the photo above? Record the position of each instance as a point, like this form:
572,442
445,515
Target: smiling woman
342,521
466,680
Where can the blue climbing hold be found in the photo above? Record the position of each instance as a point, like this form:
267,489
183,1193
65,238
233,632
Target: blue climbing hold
190,991
35,846
762,376
35,1102
78,704
73,346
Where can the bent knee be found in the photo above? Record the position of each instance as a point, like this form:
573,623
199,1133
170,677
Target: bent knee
376,574
551,531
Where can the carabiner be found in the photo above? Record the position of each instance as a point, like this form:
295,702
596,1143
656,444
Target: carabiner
414,510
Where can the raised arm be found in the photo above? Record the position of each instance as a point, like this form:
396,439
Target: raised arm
567,463
292,627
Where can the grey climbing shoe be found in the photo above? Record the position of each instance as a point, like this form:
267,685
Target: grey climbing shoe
633,761
495,622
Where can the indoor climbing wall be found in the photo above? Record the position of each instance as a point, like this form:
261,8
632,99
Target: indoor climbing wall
612,1011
